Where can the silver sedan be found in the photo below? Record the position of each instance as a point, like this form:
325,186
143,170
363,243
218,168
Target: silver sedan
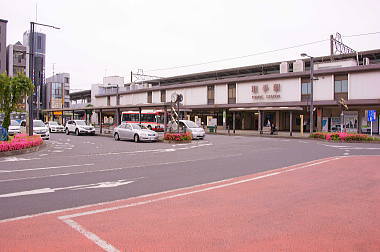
132,131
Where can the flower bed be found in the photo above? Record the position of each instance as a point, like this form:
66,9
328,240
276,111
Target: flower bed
19,142
343,137
178,137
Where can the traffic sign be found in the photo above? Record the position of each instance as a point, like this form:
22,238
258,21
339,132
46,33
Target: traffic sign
371,115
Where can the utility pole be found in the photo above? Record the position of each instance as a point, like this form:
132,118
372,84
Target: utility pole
31,73
311,91
31,76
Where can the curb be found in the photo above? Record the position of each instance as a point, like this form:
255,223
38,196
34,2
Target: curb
22,151
291,137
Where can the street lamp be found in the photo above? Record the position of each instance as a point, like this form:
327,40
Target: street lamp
31,71
311,90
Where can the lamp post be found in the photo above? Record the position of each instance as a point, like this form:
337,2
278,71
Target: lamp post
31,71
311,91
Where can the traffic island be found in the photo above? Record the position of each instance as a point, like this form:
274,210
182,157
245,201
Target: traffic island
178,137
20,144
345,137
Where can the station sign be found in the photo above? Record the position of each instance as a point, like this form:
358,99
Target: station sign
267,91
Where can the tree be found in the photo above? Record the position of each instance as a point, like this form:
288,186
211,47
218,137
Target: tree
12,90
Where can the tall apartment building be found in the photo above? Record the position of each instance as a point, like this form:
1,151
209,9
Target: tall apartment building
58,91
17,59
3,43
39,45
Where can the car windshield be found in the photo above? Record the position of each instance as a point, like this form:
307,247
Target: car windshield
53,123
14,123
81,123
191,124
135,126
38,124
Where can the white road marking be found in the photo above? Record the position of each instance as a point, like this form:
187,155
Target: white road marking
107,184
46,168
348,147
16,159
113,153
120,168
303,142
91,236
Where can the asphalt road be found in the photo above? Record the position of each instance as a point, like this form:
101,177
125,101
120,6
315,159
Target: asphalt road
75,171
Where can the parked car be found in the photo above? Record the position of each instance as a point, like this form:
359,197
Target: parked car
39,128
14,128
132,131
79,127
55,127
189,126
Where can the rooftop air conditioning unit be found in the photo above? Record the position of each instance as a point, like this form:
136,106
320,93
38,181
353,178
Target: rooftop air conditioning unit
366,61
284,67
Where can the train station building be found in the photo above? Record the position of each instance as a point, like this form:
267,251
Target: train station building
251,97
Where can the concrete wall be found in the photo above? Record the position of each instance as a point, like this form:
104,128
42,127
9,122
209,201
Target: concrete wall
195,96
221,95
324,88
137,98
156,97
364,85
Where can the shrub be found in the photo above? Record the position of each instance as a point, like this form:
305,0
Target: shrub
343,136
20,141
178,137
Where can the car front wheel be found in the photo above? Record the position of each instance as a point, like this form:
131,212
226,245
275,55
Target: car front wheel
136,138
77,132
67,131
116,136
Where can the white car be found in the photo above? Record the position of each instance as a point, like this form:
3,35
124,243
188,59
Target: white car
79,127
189,126
55,127
39,128
14,128
132,131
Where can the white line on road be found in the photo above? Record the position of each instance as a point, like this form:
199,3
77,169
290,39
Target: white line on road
109,153
106,184
121,168
91,236
45,168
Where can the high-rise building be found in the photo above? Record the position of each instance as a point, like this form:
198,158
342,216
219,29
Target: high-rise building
58,91
17,59
39,48
3,44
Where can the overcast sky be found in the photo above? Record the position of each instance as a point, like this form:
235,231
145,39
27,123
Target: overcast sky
115,37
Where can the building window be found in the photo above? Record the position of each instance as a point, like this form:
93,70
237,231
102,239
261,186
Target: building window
39,42
56,90
67,92
149,100
305,89
66,79
232,93
163,95
341,87
210,94
108,100
67,105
